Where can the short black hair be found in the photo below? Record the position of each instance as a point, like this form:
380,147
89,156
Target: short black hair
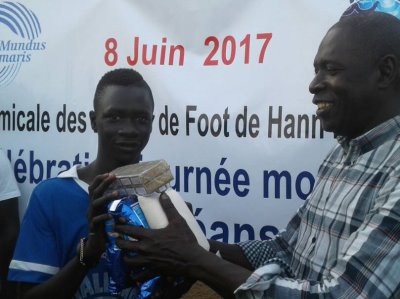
120,77
377,32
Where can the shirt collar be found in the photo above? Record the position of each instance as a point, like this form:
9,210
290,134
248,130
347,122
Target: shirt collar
375,137
73,173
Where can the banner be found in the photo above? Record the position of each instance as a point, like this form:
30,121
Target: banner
233,114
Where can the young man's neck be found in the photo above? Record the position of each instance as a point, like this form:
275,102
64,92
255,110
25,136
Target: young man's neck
89,172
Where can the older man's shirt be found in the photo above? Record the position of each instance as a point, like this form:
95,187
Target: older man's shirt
344,241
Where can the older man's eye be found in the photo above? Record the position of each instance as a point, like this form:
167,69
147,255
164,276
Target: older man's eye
332,69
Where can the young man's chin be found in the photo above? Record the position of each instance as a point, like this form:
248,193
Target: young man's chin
127,158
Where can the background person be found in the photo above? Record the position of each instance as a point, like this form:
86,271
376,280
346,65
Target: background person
9,218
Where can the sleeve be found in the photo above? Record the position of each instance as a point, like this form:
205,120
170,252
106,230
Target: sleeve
8,185
36,256
279,249
368,265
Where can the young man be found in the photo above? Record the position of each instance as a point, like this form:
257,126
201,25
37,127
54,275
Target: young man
64,214
344,241
9,218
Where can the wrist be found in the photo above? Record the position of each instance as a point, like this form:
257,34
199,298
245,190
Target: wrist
84,258
195,263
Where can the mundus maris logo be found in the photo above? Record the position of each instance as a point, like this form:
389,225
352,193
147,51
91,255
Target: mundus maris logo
22,27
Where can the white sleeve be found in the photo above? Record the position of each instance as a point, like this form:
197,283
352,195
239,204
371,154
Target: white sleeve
8,184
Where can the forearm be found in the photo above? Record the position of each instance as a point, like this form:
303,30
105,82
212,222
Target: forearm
8,240
9,229
63,285
221,275
230,252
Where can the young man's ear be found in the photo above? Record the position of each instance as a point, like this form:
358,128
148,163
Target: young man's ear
93,123
388,70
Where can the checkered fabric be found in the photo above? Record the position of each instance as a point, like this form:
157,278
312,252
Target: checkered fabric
344,241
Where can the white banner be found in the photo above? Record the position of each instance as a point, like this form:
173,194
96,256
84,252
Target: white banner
233,114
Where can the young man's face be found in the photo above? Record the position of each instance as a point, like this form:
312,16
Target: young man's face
344,85
123,121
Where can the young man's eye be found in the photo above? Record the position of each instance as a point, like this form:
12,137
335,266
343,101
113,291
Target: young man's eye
114,117
143,120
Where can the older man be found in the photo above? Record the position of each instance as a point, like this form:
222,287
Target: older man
344,241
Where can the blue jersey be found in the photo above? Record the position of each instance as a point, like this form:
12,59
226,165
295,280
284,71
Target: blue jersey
53,224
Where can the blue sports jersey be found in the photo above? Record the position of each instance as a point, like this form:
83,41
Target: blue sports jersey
53,224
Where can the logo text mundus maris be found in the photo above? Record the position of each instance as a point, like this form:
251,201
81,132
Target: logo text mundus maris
22,30
18,51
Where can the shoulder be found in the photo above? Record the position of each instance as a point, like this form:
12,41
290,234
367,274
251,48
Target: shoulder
56,190
56,195
54,184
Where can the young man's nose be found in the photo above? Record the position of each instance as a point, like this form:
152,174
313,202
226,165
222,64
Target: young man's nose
129,126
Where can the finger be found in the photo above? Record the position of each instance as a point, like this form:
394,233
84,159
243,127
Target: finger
170,211
122,220
101,184
128,245
99,206
101,202
135,232
101,218
97,181
136,261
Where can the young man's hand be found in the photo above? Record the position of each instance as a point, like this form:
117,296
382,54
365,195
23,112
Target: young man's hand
97,215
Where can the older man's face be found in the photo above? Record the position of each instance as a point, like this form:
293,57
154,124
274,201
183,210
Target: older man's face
345,85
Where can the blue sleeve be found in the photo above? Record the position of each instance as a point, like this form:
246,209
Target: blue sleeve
36,257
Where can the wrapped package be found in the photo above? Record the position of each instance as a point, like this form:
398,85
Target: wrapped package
147,180
127,208
139,187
